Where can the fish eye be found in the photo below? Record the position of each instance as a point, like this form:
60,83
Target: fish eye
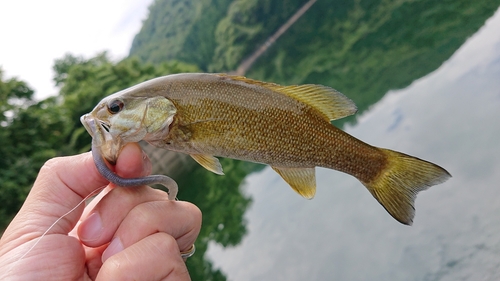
115,106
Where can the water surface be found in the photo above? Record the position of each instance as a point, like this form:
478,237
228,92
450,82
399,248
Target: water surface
450,117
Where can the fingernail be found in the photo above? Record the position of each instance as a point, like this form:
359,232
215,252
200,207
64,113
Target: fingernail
146,163
91,229
114,247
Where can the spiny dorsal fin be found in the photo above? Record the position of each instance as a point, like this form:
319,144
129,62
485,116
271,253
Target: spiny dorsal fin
208,162
302,180
331,103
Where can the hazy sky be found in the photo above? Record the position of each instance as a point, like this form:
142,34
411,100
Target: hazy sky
34,33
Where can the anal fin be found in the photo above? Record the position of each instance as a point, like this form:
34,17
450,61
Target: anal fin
302,180
208,162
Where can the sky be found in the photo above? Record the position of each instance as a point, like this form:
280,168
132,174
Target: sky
34,33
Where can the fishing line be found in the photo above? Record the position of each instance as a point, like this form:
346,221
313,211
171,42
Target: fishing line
58,220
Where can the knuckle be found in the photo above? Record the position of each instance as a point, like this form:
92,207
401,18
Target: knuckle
167,245
51,165
112,269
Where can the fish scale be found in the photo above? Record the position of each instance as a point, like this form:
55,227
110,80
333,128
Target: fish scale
220,137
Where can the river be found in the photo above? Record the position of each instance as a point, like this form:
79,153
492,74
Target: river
450,117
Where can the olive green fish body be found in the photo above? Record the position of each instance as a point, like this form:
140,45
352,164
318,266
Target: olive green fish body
286,127
228,118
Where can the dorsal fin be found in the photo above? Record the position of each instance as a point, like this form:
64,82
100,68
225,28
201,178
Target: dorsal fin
330,103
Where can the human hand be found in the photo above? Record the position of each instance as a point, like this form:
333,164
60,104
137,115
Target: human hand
125,233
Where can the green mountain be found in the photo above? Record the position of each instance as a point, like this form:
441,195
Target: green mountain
213,34
362,48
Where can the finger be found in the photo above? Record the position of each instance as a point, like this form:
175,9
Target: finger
155,257
127,167
133,162
181,220
103,221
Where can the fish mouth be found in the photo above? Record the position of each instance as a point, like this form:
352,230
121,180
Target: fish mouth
102,138
96,128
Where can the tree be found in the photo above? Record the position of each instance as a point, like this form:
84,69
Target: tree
17,109
13,94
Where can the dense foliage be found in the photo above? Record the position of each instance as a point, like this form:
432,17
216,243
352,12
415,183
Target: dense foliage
362,48
16,153
213,34
365,48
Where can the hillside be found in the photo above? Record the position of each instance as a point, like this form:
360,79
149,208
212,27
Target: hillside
362,48
213,34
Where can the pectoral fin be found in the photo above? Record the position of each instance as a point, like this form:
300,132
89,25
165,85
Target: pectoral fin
208,162
302,180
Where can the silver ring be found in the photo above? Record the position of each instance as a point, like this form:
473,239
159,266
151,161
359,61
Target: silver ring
189,253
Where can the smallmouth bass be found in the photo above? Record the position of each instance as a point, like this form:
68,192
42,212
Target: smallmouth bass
286,127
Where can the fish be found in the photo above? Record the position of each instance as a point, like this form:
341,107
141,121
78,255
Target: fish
288,128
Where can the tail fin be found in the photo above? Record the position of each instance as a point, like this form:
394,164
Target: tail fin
397,185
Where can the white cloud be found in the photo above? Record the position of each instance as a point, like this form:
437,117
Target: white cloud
35,33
